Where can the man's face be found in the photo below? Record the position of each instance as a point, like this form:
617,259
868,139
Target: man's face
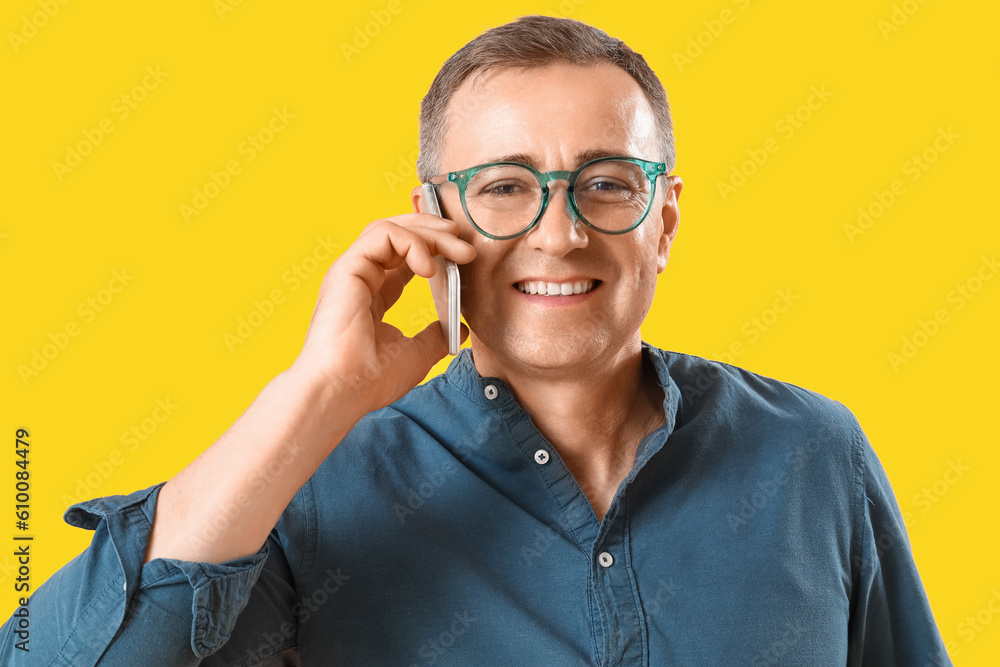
553,118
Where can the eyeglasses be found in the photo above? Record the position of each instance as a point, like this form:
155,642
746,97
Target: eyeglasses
504,200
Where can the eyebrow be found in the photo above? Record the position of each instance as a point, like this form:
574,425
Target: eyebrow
581,158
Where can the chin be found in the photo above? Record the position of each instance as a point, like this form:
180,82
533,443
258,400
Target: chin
565,349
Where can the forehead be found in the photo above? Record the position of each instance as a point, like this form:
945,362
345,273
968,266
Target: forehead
552,115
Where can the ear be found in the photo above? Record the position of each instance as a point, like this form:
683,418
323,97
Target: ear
671,216
416,196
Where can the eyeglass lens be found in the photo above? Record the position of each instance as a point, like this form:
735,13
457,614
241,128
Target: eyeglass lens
611,195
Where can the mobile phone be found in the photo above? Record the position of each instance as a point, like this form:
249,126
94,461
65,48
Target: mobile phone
445,283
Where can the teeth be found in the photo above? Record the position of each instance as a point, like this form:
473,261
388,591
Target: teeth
555,289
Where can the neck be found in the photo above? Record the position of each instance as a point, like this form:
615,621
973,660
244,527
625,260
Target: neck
595,415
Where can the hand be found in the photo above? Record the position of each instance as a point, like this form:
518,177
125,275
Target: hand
348,345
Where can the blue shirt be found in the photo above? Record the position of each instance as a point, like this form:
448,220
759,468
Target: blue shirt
757,527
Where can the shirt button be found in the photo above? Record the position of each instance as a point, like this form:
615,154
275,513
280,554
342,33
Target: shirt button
491,392
542,456
605,559
125,586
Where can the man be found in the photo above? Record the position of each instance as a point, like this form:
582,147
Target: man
564,494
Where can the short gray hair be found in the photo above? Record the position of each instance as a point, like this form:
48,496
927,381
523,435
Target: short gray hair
530,42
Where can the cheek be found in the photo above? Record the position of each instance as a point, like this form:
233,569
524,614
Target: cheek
648,249
478,276
639,259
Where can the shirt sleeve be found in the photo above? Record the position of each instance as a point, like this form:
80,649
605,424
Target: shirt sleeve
891,620
107,607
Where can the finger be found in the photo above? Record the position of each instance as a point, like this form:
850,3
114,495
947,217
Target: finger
396,279
404,240
415,221
412,247
393,247
427,220
438,229
442,241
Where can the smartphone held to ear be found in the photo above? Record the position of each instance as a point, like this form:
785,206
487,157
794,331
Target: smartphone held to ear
445,285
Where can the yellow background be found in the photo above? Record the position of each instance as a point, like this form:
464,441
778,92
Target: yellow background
346,159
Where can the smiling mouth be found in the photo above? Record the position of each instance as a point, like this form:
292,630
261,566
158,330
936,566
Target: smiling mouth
556,289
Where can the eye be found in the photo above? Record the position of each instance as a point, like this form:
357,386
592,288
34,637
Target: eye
501,188
504,188
612,178
504,181
606,185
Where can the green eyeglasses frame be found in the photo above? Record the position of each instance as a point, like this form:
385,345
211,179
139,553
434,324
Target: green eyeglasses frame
463,177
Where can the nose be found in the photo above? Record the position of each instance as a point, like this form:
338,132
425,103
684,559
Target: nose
558,231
